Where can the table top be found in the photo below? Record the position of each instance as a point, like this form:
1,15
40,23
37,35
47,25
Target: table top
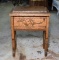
29,11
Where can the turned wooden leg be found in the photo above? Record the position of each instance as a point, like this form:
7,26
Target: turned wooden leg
14,45
13,37
44,39
46,36
46,47
46,43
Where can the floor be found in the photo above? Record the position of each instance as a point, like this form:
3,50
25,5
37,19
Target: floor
29,44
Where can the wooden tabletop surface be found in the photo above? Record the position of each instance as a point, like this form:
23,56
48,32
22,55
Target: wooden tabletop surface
29,10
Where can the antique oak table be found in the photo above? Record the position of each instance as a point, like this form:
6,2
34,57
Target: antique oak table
30,19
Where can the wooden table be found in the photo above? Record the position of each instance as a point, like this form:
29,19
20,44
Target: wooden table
30,19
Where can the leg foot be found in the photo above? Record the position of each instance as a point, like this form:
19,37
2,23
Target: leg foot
14,47
45,53
13,54
46,47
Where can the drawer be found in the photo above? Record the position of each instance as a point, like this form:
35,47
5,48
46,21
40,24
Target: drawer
29,22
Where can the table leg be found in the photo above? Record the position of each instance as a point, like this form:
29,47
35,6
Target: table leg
46,43
13,37
14,44
46,47
44,39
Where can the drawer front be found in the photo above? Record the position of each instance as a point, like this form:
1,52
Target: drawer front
29,22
